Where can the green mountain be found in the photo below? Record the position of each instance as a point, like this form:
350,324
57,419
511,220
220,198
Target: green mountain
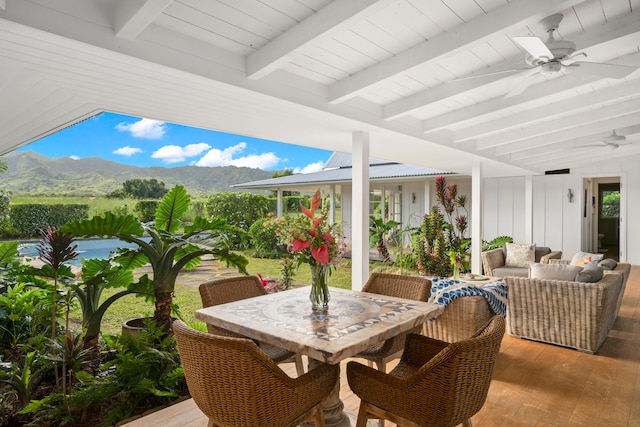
32,173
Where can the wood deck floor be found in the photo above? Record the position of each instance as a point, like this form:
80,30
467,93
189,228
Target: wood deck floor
534,384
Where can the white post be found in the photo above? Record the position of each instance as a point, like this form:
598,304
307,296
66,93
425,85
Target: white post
476,217
332,204
360,211
528,208
279,203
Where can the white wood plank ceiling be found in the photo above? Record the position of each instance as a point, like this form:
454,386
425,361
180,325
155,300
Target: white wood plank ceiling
438,83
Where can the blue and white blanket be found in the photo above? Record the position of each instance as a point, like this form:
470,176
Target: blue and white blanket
445,290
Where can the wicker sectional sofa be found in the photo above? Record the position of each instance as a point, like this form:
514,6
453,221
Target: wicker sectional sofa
571,314
493,262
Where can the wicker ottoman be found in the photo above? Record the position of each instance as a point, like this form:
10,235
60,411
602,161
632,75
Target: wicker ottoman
460,320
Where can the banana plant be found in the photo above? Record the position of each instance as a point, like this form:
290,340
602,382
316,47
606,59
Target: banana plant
168,251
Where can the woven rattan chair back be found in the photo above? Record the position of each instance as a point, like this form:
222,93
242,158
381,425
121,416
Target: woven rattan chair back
394,285
230,289
234,383
434,384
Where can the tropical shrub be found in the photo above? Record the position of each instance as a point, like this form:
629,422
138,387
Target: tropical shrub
146,210
28,219
240,210
263,242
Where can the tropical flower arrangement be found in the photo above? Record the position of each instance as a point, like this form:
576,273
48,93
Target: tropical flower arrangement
313,241
311,238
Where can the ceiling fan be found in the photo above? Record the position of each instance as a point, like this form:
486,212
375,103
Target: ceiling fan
554,57
612,141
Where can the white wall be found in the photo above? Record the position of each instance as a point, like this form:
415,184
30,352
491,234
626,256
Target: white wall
556,222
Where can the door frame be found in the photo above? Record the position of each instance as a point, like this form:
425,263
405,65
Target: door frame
589,190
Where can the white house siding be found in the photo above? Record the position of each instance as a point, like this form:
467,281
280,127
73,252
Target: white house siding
556,222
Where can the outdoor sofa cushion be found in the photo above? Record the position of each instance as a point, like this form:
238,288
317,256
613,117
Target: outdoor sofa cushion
554,271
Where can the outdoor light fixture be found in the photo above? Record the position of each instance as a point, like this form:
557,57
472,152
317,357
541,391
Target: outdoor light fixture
570,196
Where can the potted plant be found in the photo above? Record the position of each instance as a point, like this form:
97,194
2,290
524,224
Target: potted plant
168,251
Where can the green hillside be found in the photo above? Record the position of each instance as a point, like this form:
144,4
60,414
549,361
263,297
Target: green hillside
35,174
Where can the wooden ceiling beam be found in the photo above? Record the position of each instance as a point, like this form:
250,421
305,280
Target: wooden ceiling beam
613,30
560,136
548,111
131,18
331,19
477,31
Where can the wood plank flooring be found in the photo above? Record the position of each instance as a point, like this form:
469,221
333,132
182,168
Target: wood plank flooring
534,384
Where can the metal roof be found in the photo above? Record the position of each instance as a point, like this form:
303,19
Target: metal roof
343,175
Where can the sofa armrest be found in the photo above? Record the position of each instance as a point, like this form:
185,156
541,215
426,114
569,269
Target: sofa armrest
491,259
572,314
544,259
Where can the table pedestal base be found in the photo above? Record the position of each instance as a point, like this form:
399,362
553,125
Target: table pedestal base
332,406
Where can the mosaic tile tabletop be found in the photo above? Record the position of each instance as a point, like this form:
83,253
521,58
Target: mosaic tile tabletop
354,322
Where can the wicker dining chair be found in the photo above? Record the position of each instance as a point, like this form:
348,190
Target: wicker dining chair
394,285
234,383
435,384
222,291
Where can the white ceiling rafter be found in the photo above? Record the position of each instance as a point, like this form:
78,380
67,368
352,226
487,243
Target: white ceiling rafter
623,27
131,18
567,122
334,17
547,111
536,92
464,36
551,138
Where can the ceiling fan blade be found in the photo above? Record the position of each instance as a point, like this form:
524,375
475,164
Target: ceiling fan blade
530,78
494,73
534,46
612,71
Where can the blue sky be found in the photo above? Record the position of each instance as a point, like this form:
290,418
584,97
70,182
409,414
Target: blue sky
145,142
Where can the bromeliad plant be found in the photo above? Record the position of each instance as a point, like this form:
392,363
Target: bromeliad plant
168,251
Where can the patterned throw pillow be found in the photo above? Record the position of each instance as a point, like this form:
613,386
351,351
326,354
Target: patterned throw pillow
520,255
583,258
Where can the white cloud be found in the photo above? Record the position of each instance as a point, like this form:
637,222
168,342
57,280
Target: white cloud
127,151
176,154
313,167
144,128
215,157
74,157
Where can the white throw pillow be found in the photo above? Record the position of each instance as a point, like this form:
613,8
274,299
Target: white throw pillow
554,271
583,258
520,255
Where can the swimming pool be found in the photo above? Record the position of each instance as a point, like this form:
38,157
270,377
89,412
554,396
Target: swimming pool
87,248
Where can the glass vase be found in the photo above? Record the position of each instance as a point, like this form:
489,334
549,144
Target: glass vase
319,295
456,272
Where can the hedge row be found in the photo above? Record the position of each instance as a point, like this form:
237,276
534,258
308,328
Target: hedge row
27,220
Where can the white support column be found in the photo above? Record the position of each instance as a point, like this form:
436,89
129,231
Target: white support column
360,211
476,217
528,208
279,202
427,196
332,204
383,208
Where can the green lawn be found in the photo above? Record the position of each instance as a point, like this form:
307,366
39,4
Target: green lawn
188,298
